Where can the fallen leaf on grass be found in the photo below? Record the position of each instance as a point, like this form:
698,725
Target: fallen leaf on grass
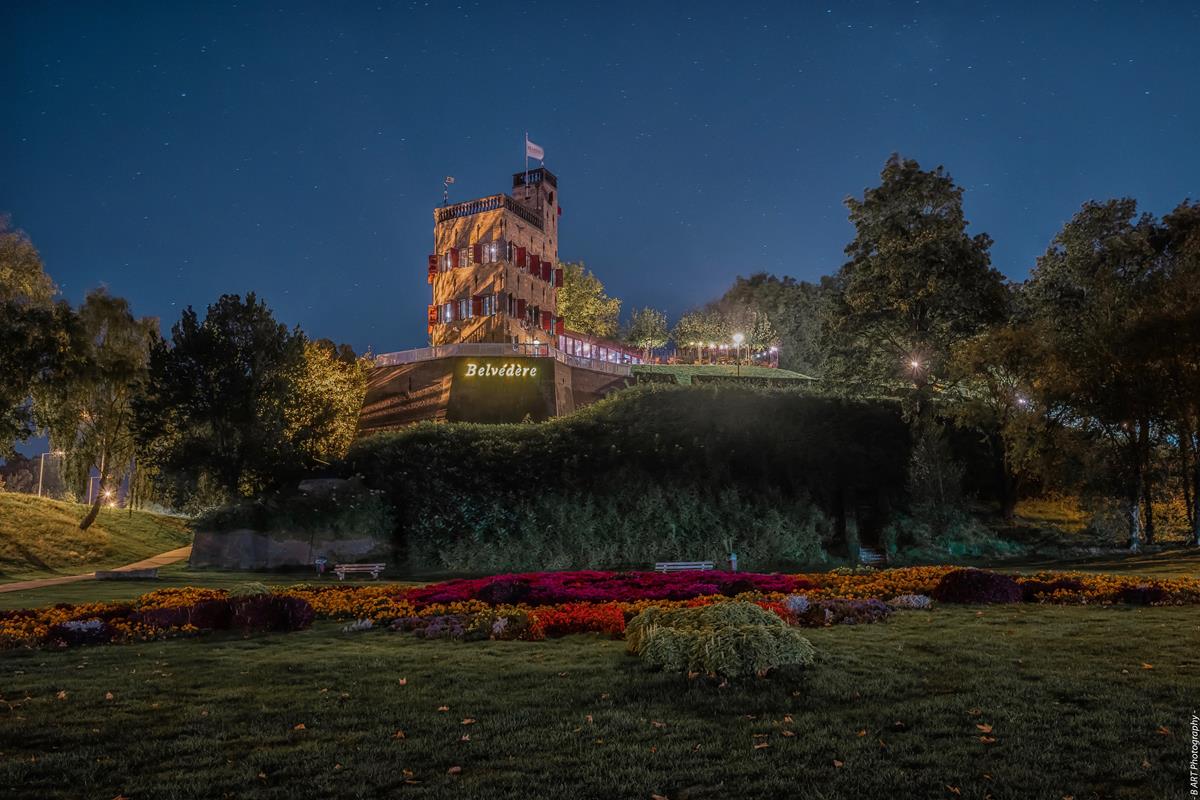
973,712
954,790
987,740
589,719
404,681
838,764
399,735
1147,666
1145,764
466,737
62,694
787,717
299,727
861,733
787,733
454,771
658,724
658,797
108,695
985,728
1163,730
761,745
468,721
443,708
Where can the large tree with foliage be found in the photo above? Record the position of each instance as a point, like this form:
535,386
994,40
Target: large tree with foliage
647,329
214,419
86,403
583,304
1092,304
322,408
915,285
792,309
32,332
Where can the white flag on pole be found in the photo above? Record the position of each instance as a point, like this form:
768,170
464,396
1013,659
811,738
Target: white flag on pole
534,151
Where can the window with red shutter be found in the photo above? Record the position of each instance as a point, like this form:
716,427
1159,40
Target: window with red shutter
520,256
454,259
433,315
558,277
560,327
546,271
477,253
521,308
477,306
545,320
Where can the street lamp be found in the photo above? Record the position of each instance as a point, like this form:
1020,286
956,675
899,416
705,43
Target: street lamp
737,358
42,467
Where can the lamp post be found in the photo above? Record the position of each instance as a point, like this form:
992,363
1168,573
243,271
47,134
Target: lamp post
737,357
42,467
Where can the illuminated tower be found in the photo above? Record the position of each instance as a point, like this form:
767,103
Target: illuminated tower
494,268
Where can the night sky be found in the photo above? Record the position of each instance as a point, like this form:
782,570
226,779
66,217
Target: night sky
174,152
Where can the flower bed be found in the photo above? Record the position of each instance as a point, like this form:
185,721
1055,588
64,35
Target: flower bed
556,604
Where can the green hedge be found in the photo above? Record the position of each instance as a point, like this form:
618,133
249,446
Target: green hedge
651,473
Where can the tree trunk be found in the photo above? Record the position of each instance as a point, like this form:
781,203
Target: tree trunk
93,512
1146,482
1195,498
1135,517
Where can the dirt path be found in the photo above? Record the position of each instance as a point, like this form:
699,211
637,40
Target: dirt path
160,560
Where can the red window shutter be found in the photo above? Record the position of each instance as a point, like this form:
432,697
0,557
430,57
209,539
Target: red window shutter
433,267
433,315
558,277
520,256
521,308
560,328
546,271
454,258
476,306
545,320
477,251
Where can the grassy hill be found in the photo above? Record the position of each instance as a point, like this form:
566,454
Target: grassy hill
41,537
683,373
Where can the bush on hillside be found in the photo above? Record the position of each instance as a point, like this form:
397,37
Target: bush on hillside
651,473
973,586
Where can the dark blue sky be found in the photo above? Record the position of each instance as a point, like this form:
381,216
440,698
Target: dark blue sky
178,151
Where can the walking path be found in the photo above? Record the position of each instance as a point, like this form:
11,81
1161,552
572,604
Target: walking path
160,560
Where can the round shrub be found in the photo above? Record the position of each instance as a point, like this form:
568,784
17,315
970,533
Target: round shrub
271,612
726,639
1144,595
212,615
171,617
504,591
77,632
973,586
248,589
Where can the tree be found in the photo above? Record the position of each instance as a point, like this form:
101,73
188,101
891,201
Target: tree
322,409
915,285
701,328
583,305
32,332
22,277
1093,300
86,403
215,412
647,329
792,309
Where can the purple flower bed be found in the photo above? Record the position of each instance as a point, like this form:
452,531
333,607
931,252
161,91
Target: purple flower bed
547,588
976,586
820,613
271,612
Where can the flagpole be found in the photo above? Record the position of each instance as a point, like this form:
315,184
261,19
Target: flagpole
526,158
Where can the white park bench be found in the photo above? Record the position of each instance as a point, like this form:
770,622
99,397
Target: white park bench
342,570
682,566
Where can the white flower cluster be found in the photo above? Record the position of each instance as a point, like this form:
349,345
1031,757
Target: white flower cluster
913,602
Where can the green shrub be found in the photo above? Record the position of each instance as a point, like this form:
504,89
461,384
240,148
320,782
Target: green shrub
650,474
725,639
249,589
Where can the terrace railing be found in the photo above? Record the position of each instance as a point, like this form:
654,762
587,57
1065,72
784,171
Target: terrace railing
499,349
492,203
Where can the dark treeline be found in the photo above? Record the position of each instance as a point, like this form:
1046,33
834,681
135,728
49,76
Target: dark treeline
1083,379
230,405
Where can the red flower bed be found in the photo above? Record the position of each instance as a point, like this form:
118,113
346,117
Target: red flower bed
561,620
549,588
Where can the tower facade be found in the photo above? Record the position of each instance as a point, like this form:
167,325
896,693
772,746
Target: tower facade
494,269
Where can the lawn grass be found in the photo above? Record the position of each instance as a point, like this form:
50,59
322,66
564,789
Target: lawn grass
890,710
40,537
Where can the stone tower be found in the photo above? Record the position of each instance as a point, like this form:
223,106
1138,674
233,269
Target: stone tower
494,268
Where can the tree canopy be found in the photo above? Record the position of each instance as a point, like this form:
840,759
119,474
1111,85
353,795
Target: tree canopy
583,304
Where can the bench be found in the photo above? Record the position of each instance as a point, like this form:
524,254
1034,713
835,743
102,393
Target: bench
682,566
342,570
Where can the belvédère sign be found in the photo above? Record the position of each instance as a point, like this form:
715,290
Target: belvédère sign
502,371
